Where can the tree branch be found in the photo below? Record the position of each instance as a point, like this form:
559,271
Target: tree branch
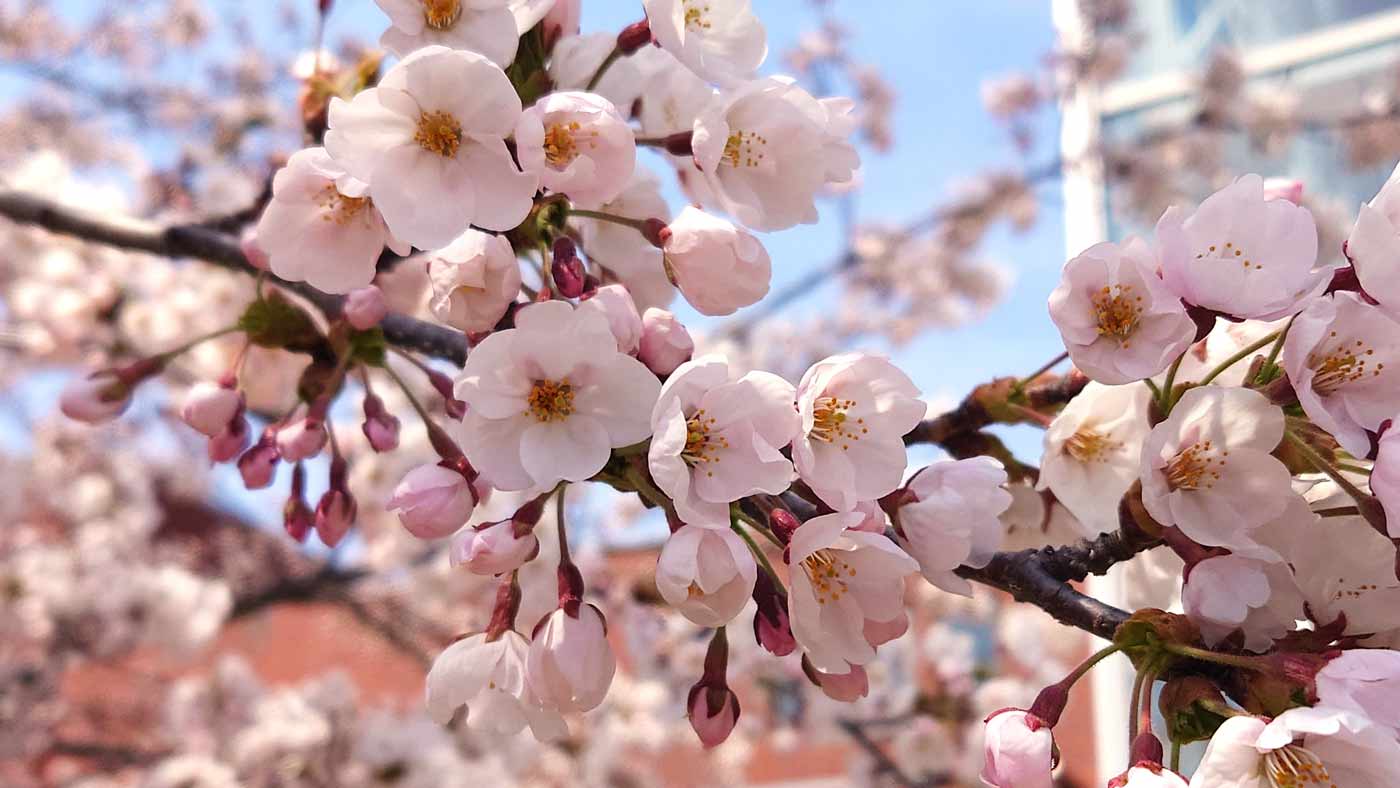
972,415
218,248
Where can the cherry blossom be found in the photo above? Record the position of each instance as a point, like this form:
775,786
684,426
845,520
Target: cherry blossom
490,675
706,573
1119,321
856,409
665,343
1385,478
847,591
484,26
1364,681
1301,746
768,148
721,40
1226,593
1341,358
1148,775
570,663
1242,255
577,144
1207,468
1373,245
618,248
1019,751
495,548
615,304
541,410
429,140
475,279
717,266
948,517
1093,450
321,226
365,307
847,686
432,501
210,408
716,439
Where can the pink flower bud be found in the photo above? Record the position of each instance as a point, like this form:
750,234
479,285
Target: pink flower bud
571,664
566,269
1283,189
365,307
665,343
717,266
494,549
713,713
381,427
432,501
335,513
210,408
847,687
229,443
302,439
615,304
297,517
1019,751
258,463
94,399
771,626
562,20
248,243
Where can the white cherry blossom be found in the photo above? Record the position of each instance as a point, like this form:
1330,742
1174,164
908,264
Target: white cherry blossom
490,675
429,140
321,227
1374,245
721,40
542,409
847,594
1093,450
716,439
717,266
856,409
1302,746
485,26
1019,751
577,144
1343,360
571,665
1119,321
953,518
1365,681
1242,255
1148,775
474,279
1226,593
769,147
706,573
1207,469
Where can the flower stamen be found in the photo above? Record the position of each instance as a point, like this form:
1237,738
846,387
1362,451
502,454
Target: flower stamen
701,446
1344,364
744,149
1117,312
1194,467
697,15
337,207
561,143
438,132
825,569
550,400
1090,445
1294,766
441,14
831,422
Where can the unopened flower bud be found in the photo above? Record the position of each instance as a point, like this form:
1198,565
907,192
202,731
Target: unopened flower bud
567,269
210,408
433,501
1019,750
297,517
616,304
495,548
783,523
711,706
336,510
258,463
381,427
231,442
302,439
365,307
95,399
665,343
634,37
771,626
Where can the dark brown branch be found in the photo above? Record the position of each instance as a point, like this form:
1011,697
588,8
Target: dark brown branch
220,249
885,766
972,413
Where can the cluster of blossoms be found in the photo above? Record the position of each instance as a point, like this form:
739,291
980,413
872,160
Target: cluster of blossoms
1240,410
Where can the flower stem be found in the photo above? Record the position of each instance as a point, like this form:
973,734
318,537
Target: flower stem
407,392
1176,756
1319,462
1240,356
190,345
1266,371
1166,398
603,68
559,524
758,553
1088,664
1134,699
603,216
756,525
1203,655
1046,367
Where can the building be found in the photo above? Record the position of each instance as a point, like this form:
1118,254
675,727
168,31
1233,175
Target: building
1332,56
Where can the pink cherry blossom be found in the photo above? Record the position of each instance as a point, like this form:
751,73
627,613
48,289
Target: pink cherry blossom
210,408
621,249
615,304
1385,478
495,548
571,664
1119,321
301,439
706,573
665,343
856,409
432,501
768,148
1344,364
365,307
229,442
549,399
847,590
953,518
1223,594
475,279
847,686
717,266
258,464
1365,681
1019,751
94,398
429,140
1242,255
1148,775
1208,470
491,675
1319,745
716,440
721,40
577,144
485,26
321,226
